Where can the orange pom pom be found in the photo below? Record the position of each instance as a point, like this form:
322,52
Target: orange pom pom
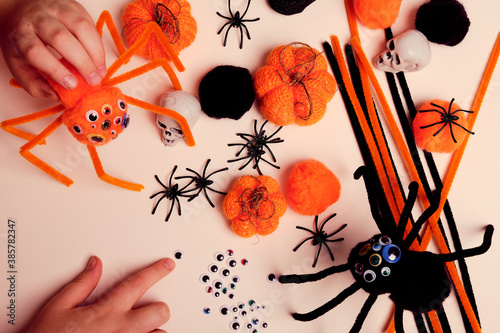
440,126
377,14
173,17
311,188
294,86
254,205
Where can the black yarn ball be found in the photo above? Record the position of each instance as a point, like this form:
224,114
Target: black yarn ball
443,21
289,7
226,92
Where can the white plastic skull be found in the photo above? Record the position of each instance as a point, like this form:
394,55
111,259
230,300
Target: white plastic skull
408,52
183,103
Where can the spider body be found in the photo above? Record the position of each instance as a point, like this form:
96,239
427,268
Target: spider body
320,237
96,115
256,146
201,183
415,281
237,21
170,192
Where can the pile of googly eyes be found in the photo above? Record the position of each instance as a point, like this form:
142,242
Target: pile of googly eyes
221,283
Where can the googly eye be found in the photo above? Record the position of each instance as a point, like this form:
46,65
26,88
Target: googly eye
106,109
179,254
234,325
264,324
255,321
385,240
375,259
369,276
224,290
236,279
231,262
92,116
113,132
209,289
244,262
213,268
204,278
385,271
248,325
216,294
77,129
251,302
358,268
224,310
231,296
271,277
117,120
218,284
122,105
391,253
232,286
106,125
377,246
207,310
225,272
219,256
365,249
126,120
230,252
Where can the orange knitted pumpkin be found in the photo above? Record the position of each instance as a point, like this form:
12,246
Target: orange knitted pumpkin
173,17
294,86
377,14
254,205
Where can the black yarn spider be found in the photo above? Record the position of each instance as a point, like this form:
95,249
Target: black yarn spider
416,281
201,183
236,21
255,145
320,237
171,192
448,118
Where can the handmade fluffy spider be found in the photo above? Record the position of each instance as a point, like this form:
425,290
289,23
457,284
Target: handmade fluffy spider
448,118
201,183
172,193
255,145
320,237
96,115
236,21
416,281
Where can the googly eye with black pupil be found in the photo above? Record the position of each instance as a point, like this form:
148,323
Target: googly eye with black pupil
255,321
216,294
251,302
213,268
365,249
243,313
244,262
231,296
179,254
385,240
113,132
229,252
385,271
236,279
207,310
117,120
217,284
106,109
234,325
77,129
391,253
224,290
126,121
224,310
106,125
225,272
264,324
231,262
369,276
375,259
219,256
209,289
234,309
358,268
271,277
232,286
377,246
122,105
241,305
204,278
92,116
248,325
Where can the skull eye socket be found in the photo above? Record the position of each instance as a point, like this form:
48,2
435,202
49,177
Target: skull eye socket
122,105
396,60
161,125
391,45
92,116
106,109
177,131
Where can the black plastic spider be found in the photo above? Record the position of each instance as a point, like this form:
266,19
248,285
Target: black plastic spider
448,118
255,145
171,192
416,281
201,183
320,237
236,21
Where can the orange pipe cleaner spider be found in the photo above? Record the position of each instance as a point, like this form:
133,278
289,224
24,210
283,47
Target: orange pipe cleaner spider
96,115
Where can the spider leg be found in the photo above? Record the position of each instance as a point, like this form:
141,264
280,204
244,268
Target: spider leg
241,26
488,234
225,17
302,278
170,210
300,244
342,296
158,202
407,209
398,319
246,9
107,178
317,254
229,8
428,212
465,129
337,231
363,313
451,132
222,28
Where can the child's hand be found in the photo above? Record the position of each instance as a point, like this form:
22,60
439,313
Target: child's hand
28,26
114,312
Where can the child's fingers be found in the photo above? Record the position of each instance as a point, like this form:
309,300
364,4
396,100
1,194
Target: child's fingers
148,318
129,292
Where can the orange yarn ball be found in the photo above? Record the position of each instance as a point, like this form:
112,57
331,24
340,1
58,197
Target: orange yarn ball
294,85
312,188
173,17
377,14
437,136
254,205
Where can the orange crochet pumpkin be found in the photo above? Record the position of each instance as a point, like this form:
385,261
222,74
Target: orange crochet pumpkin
254,205
173,17
377,14
294,85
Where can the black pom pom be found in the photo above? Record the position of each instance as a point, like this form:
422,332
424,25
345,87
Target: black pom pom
443,21
289,7
226,92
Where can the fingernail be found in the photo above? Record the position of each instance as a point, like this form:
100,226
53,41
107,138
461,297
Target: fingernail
95,79
102,71
91,264
70,82
169,263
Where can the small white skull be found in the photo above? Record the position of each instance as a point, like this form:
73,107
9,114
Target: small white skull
183,103
408,52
